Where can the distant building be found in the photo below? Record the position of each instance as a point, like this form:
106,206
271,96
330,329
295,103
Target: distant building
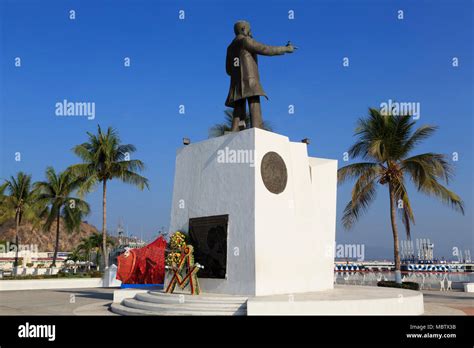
31,259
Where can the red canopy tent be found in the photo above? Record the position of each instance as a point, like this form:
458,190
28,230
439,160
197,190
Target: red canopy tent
144,265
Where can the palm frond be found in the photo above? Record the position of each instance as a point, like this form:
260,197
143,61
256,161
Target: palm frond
363,194
135,179
417,137
435,189
426,167
405,211
355,170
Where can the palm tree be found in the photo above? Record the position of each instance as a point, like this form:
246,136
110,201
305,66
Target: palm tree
93,243
221,128
90,244
55,193
76,255
19,203
385,142
105,158
4,215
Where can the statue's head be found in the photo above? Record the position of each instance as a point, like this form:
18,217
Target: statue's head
242,28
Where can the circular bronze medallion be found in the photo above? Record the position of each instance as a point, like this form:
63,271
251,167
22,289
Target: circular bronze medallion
274,173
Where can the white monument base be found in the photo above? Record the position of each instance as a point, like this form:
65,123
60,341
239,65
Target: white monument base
277,242
342,300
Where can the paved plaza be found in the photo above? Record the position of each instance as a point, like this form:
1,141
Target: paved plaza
94,301
97,301
448,303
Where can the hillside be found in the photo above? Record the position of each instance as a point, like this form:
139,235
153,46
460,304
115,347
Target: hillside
45,240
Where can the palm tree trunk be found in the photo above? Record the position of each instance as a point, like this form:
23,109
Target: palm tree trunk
104,224
17,239
56,247
396,252
97,256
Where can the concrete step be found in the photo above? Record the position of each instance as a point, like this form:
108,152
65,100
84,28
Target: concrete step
203,298
129,311
122,310
138,307
157,302
192,303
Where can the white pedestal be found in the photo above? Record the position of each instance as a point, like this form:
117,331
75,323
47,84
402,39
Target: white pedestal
110,277
277,243
468,287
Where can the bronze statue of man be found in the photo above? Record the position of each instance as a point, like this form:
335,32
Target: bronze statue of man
242,67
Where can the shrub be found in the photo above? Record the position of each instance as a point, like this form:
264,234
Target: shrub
404,285
95,274
29,265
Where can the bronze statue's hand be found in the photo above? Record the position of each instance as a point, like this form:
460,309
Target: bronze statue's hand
290,48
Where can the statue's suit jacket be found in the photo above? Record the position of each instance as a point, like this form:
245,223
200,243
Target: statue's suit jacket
242,67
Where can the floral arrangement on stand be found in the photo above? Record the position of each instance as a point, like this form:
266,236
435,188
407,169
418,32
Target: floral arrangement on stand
180,261
177,242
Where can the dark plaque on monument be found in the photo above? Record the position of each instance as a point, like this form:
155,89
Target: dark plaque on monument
274,173
208,236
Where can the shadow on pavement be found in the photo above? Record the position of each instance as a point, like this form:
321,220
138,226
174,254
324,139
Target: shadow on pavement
99,295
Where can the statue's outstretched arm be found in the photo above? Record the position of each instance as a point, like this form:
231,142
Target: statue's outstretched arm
265,50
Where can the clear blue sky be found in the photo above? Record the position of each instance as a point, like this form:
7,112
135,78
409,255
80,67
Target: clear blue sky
177,62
